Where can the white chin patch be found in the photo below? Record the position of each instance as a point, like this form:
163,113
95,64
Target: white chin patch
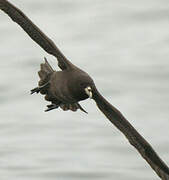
88,91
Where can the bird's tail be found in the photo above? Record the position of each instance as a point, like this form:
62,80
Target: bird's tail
45,73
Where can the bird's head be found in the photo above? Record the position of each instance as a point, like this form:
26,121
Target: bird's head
82,86
85,89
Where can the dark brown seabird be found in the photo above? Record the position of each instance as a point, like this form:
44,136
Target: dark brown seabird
67,87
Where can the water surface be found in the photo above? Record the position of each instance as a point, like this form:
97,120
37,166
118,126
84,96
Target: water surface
123,45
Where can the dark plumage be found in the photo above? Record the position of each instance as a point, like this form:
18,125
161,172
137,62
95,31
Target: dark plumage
63,88
67,87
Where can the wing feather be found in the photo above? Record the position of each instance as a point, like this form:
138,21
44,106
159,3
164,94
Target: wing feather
34,32
135,139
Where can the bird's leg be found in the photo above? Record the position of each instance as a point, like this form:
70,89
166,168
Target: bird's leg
51,107
39,88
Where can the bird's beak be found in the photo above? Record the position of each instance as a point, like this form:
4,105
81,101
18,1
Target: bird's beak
88,91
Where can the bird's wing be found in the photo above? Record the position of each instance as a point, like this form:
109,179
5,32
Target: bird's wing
135,139
35,33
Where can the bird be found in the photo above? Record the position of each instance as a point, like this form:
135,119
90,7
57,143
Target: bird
67,87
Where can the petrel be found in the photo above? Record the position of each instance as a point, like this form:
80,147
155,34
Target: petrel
66,88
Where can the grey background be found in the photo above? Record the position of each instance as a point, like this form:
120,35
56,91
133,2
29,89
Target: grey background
123,45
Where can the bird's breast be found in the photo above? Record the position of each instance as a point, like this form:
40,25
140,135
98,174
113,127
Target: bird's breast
59,87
